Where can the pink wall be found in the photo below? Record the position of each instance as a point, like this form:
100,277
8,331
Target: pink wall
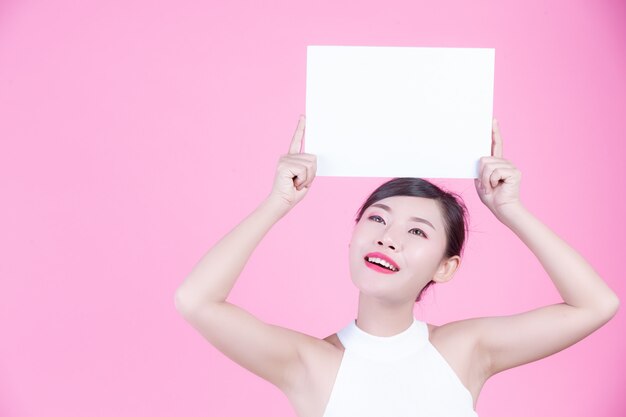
135,133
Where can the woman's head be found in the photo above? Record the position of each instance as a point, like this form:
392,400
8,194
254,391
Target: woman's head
413,222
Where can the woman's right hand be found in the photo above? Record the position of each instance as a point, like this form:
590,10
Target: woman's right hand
295,172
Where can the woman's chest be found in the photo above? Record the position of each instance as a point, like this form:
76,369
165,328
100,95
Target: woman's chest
328,370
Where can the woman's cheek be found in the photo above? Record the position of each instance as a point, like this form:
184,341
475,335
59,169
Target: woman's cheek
421,254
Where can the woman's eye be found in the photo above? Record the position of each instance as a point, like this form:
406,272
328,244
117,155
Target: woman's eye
377,219
418,232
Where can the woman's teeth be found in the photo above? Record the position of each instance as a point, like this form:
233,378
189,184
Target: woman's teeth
382,263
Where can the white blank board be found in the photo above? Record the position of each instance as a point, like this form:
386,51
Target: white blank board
375,111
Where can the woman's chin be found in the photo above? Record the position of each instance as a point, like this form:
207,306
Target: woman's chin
375,287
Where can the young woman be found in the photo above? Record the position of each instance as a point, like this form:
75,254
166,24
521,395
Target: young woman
409,234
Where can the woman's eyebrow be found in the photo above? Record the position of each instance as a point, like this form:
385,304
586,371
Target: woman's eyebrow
417,219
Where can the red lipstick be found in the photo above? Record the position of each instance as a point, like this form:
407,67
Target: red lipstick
381,268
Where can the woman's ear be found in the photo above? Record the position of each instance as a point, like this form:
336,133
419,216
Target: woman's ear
447,268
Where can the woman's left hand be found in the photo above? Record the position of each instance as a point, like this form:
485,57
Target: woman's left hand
498,180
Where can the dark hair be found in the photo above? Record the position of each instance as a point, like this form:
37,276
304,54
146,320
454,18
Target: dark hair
452,207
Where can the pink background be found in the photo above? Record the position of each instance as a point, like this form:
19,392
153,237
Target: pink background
137,133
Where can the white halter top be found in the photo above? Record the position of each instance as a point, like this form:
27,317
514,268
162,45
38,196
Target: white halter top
396,376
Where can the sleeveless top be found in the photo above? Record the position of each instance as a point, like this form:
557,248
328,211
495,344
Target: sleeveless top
395,376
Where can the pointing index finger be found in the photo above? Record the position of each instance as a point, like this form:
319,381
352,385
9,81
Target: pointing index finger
296,141
496,140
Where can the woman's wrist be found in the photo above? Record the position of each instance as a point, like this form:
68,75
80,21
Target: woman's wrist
512,214
274,206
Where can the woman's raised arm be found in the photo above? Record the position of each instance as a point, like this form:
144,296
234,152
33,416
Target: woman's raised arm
588,302
269,351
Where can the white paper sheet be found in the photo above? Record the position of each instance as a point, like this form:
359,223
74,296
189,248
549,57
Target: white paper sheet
376,111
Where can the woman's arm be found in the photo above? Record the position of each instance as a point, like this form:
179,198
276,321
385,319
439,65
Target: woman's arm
577,282
215,274
588,302
269,351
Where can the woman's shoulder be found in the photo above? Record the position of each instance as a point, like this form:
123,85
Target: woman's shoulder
315,351
334,341
457,342
463,331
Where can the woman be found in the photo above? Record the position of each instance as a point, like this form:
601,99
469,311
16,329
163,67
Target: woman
409,234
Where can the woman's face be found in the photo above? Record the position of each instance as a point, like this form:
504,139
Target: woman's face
407,233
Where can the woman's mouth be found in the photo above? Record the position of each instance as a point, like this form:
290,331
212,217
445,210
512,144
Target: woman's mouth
380,263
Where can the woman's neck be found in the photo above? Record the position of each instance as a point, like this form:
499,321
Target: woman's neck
383,318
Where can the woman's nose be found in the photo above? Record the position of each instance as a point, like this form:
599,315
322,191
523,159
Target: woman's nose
386,240
392,247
